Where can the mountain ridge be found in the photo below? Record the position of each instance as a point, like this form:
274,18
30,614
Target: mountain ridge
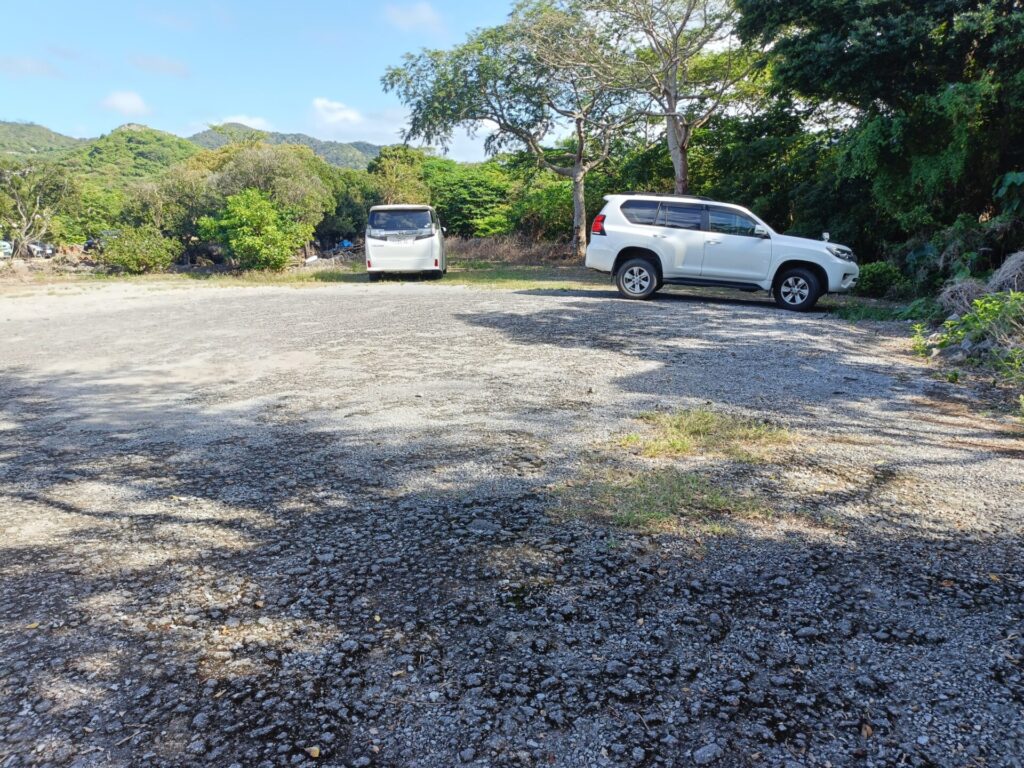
31,139
23,138
356,154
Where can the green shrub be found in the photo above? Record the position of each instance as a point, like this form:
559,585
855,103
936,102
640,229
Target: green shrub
998,317
140,249
996,325
257,233
881,280
925,309
1010,193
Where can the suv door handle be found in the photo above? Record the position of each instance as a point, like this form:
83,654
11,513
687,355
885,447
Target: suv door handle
661,237
714,242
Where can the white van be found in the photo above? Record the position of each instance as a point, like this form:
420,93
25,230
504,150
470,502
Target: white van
405,238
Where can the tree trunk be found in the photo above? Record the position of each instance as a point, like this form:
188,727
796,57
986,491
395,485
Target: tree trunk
683,171
579,216
678,136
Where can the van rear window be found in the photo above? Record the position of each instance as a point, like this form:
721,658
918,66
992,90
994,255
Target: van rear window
398,221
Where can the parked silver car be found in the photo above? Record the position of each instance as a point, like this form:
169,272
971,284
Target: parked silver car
39,250
6,249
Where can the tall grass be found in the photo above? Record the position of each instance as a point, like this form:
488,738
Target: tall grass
508,249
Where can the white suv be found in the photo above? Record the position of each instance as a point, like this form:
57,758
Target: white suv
647,241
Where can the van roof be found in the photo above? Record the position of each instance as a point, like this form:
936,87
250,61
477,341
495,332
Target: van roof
410,207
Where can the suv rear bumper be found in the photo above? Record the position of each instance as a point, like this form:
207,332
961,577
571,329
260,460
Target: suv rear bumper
600,257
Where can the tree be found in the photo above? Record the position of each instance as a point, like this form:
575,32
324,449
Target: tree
398,171
290,175
680,53
506,80
472,200
257,233
932,89
136,250
31,194
354,192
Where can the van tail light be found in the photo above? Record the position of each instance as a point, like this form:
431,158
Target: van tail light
437,262
369,265
598,228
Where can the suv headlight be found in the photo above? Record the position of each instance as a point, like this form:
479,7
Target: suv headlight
841,252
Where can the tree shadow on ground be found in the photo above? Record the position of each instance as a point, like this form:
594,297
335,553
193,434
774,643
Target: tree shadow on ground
185,585
806,370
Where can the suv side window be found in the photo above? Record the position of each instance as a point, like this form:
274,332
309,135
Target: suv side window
640,211
730,223
680,216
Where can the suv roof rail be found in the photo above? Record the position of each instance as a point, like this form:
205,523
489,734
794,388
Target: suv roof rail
667,194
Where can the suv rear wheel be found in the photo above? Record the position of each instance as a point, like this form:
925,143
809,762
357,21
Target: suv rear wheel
637,279
797,289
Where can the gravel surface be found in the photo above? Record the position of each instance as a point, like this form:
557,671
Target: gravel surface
280,526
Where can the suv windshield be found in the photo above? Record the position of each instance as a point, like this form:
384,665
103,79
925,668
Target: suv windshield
399,220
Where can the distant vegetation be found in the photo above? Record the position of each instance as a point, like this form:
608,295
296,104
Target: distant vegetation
131,152
355,155
29,139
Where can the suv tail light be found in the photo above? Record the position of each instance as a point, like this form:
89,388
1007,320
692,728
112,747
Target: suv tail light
598,228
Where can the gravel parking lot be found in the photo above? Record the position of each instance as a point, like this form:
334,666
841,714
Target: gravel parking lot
263,526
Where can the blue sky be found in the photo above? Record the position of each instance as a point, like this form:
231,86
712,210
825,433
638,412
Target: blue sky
309,66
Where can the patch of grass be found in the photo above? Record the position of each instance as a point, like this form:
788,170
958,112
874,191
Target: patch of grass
665,499
683,433
466,265
475,273
522,277
922,310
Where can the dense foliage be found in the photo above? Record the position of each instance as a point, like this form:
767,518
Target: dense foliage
135,250
258,233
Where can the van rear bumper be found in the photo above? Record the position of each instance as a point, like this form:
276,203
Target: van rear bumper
405,257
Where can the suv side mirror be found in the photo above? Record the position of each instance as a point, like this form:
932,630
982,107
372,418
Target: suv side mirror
761,231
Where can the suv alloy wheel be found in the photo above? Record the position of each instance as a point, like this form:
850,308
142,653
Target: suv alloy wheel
637,279
797,289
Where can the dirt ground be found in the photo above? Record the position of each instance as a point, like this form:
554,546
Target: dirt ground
262,526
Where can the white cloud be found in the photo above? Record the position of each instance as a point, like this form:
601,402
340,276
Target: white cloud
127,103
338,122
26,66
259,123
333,113
161,65
414,16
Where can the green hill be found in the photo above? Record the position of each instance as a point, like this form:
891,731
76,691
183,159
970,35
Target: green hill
355,155
32,139
132,152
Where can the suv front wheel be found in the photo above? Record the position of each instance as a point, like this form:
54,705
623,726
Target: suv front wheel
637,279
797,289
